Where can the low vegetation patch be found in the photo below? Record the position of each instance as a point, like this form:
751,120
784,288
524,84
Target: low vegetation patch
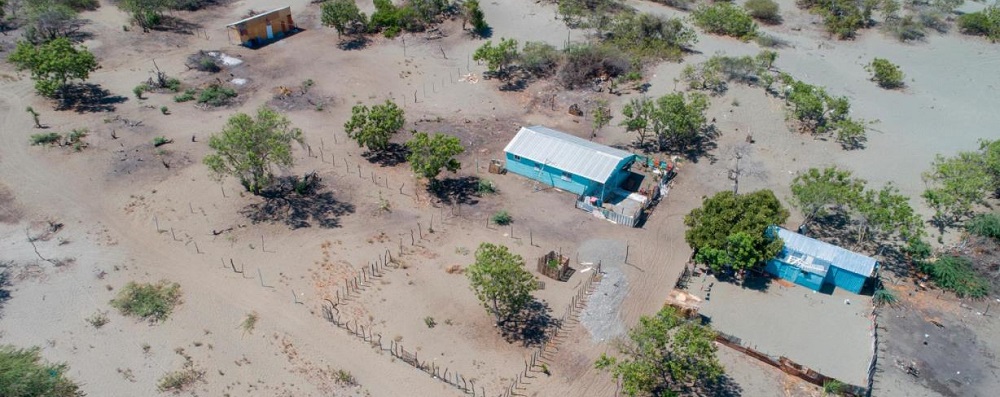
766,11
249,323
180,380
842,18
982,23
98,320
502,218
216,95
985,225
23,372
956,274
153,302
885,73
187,95
725,19
73,139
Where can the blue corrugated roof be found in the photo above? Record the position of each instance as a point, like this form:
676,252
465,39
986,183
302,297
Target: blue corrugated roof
839,257
566,152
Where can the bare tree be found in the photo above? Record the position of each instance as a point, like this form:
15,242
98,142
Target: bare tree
741,164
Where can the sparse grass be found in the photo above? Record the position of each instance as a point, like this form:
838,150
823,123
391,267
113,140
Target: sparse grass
345,378
833,386
956,274
216,95
180,380
502,218
485,186
47,138
249,323
99,319
985,225
152,302
188,95
160,141
429,321
884,297
462,251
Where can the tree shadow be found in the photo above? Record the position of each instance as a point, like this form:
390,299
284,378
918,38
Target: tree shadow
4,283
176,25
757,282
354,43
462,190
88,98
393,155
702,146
532,326
724,386
282,203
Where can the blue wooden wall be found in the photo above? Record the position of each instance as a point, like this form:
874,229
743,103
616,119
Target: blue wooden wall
550,176
836,276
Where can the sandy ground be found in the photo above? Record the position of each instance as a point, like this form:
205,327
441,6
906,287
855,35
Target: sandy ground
128,217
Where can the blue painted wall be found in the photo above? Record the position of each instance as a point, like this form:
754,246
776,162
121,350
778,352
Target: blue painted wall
552,176
835,276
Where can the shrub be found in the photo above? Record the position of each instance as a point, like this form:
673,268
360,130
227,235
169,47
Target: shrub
770,41
982,23
905,29
586,62
884,297
429,321
165,110
98,320
645,35
985,225
152,302
485,186
23,372
160,141
539,59
216,95
725,19
764,10
955,273
188,95
249,323
48,138
139,89
345,378
678,4
918,249
502,218
173,84
179,380
885,73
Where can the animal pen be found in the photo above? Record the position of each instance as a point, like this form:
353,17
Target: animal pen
555,266
261,29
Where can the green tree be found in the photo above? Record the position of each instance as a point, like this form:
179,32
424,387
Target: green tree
991,159
714,229
428,155
24,373
725,19
956,185
53,64
885,73
664,355
344,16
885,213
248,148
816,192
497,57
474,15
679,121
501,282
47,20
982,23
373,127
639,114
600,115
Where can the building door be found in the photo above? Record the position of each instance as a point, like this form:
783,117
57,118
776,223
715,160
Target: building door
270,32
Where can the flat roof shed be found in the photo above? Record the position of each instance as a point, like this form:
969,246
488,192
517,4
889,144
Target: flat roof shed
262,28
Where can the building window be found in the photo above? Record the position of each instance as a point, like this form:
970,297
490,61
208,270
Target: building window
566,176
516,157
538,167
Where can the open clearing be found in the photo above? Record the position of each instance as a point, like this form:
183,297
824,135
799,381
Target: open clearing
131,212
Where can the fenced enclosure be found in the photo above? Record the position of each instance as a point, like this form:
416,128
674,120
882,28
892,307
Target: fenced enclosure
555,266
629,220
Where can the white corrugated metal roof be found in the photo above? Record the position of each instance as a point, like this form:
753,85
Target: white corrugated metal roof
566,152
839,257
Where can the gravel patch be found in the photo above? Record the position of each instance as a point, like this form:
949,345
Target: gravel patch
602,316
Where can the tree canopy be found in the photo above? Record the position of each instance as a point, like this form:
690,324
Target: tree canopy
344,16
53,64
728,230
501,282
428,155
23,373
663,355
816,191
677,122
497,57
957,184
472,14
373,127
248,148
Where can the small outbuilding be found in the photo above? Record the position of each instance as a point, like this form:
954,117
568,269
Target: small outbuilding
262,28
566,162
814,264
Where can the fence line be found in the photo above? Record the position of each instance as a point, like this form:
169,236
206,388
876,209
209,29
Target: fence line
576,305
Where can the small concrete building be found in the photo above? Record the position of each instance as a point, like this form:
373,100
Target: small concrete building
566,162
814,264
262,28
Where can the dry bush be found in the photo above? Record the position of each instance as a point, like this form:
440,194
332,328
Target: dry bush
454,269
586,63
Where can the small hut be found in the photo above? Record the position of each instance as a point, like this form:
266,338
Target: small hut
262,28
